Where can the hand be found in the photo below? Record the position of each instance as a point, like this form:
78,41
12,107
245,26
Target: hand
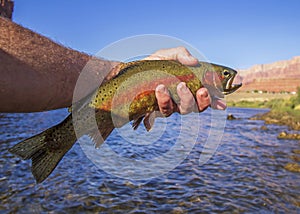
187,101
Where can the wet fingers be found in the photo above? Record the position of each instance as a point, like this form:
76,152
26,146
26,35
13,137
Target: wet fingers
165,103
187,102
203,99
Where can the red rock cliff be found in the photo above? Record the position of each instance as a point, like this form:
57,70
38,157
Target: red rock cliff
278,76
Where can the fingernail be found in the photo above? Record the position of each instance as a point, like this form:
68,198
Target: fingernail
187,57
203,93
161,89
182,87
191,59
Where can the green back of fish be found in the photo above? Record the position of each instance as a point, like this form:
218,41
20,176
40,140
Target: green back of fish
132,92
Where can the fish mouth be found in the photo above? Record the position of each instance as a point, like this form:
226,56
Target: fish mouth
230,88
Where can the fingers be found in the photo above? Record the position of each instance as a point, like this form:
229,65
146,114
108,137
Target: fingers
218,104
180,54
187,102
167,106
165,103
185,57
203,99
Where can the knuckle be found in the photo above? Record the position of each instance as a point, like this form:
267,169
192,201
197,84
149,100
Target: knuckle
187,109
182,49
164,102
202,93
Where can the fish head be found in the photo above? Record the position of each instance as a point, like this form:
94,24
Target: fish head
219,79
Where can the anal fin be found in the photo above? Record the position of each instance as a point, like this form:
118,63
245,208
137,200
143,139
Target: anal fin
149,119
99,136
137,122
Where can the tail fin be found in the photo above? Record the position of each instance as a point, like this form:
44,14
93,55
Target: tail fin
45,150
48,148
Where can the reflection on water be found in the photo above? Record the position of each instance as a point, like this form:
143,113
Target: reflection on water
245,175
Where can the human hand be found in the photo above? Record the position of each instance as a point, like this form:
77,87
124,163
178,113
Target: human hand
187,102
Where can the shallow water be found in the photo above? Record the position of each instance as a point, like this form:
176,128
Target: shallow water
246,174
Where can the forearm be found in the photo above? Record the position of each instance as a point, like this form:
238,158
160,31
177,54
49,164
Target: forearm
38,74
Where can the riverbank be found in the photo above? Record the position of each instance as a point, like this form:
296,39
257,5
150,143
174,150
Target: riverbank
254,100
284,110
279,117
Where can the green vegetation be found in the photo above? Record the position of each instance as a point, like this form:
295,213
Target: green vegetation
283,111
289,110
248,104
291,105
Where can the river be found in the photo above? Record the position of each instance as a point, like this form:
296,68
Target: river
245,174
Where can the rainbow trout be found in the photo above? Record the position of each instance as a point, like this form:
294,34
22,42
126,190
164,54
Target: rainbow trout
130,96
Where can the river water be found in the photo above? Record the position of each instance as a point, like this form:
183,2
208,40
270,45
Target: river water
245,174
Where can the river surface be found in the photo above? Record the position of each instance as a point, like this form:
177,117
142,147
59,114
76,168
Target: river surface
245,175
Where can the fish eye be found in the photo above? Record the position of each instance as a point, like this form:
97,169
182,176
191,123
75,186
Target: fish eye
226,73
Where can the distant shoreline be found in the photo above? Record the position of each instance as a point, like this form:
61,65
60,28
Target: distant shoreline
254,100
284,108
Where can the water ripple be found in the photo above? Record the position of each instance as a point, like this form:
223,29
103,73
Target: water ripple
246,174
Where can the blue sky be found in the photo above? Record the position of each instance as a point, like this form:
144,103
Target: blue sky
237,33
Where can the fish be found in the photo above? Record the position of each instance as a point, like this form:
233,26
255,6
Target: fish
129,96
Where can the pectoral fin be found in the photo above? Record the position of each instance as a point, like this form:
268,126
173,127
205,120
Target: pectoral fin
149,119
137,122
